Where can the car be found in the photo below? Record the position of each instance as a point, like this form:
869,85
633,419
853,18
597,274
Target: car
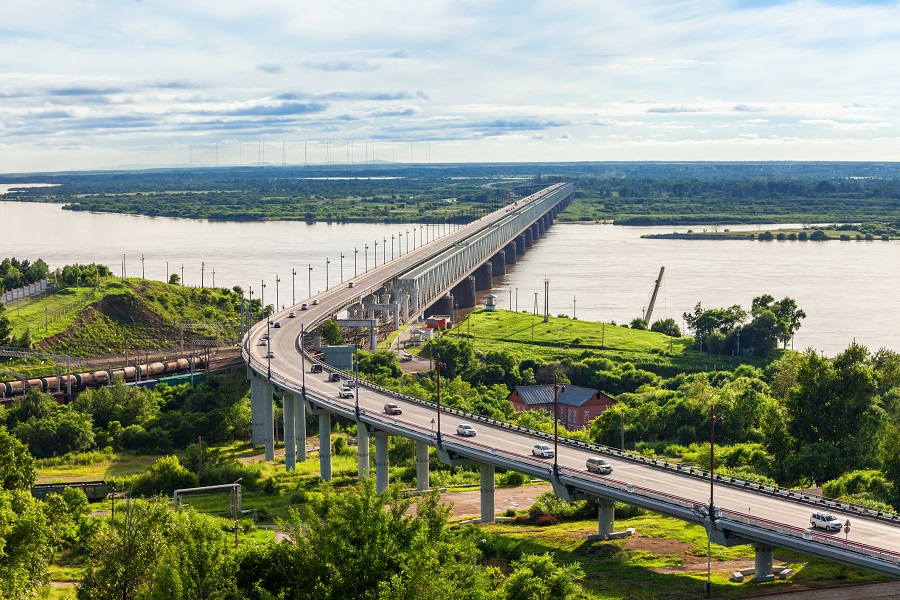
465,430
350,383
543,450
315,369
292,315
264,342
345,392
266,335
277,325
596,464
405,357
352,442
270,354
825,521
304,306
315,301
334,377
350,285
392,409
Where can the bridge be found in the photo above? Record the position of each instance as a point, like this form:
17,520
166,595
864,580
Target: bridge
425,278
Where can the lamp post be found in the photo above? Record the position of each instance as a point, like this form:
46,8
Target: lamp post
342,267
556,390
356,387
407,241
366,257
293,286
327,262
384,250
277,281
414,237
392,247
713,420
251,304
263,297
376,254
355,254
310,281
438,365
269,350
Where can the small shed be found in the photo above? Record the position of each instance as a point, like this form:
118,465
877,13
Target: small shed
578,406
489,303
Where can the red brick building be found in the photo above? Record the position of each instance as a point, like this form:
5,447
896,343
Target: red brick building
578,406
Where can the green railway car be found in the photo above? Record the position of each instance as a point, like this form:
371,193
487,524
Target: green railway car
94,490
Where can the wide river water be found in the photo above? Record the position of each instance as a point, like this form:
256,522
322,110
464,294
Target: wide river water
848,289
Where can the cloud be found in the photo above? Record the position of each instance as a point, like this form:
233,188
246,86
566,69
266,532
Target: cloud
84,91
342,65
748,108
280,108
269,68
676,109
396,111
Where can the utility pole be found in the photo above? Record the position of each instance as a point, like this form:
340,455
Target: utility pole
310,281
143,275
293,286
277,281
202,274
546,300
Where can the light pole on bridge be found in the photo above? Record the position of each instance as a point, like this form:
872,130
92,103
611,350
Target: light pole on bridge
327,262
376,254
263,297
293,287
342,267
438,365
277,281
310,281
366,256
407,241
713,420
355,253
384,250
392,247
556,389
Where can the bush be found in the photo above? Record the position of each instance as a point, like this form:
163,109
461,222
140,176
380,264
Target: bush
164,476
869,484
546,520
513,478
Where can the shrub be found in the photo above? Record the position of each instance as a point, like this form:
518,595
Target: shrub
513,478
163,477
546,520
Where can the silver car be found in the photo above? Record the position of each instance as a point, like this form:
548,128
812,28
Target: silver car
543,450
465,430
596,464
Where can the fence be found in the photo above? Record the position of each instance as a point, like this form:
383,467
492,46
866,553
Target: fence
32,289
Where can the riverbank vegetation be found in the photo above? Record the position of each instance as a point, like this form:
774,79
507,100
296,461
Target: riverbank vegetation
861,232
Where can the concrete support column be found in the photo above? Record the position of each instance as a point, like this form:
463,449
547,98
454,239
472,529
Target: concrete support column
423,473
300,427
373,339
540,226
362,449
487,493
404,308
465,293
510,251
498,264
606,516
415,301
382,463
763,563
324,444
520,244
535,232
395,308
257,425
483,276
290,444
269,421
529,239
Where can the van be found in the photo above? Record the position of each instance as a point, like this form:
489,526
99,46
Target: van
598,465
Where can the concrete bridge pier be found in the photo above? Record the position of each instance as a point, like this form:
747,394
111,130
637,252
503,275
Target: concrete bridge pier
324,443
444,306
606,517
415,301
269,421
529,239
423,473
464,293
520,244
535,233
300,427
257,400
362,449
382,462
498,264
540,227
487,493
483,276
510,251
763,563
290,446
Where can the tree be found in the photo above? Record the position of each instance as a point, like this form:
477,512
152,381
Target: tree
5,327
164,476
17,471
666,326
639,323
331,333
457,355
123,557
174,279
787,315
538,577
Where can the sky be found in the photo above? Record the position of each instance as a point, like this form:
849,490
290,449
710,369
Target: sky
89,84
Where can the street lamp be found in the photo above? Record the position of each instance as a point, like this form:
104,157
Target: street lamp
355,253
263,298
277,281
327,262
293,286
556,389
384,250
713,420
407,241
356,387
438,365
342,267
310,280
366,257
376,254
392,247
251,304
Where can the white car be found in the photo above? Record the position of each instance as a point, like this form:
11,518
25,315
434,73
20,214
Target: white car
270,354
598,465
825,521
315,301
345,392
292,315
263,342
465,430
543,450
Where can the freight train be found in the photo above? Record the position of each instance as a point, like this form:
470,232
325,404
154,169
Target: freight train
98,378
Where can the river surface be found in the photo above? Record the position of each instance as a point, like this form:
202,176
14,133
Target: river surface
848,289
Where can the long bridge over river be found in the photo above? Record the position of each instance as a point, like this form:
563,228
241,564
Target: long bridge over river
445,273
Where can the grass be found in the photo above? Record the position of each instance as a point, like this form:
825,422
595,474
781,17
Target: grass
564,337
665,560
116,465
58,309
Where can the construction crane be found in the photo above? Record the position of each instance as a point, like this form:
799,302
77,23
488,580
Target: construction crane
649,312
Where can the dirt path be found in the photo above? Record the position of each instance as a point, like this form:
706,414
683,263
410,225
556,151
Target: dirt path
468,504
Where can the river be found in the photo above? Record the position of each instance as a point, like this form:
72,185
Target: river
846,288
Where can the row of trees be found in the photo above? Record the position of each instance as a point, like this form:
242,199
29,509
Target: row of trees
720,330
16,273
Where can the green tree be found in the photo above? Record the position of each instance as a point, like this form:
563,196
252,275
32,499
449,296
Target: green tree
5,327
538,577
123,558
331,333
174,279
17,471
666,326
164,476
456,354
638,323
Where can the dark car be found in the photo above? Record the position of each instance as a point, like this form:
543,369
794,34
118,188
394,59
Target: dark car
334,377
315,369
